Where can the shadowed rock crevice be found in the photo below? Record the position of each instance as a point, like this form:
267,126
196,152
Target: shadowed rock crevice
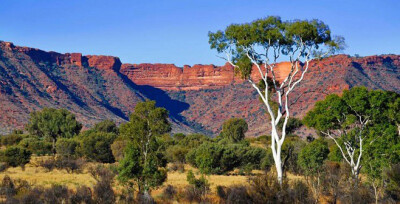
161,97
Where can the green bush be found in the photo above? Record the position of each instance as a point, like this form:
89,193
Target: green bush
312,156
216,158
193,140
16,156
234,129
97,146
67,147
36,146
11,139
118,149
176,153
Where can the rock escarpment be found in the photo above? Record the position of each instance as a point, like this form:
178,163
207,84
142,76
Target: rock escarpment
199,97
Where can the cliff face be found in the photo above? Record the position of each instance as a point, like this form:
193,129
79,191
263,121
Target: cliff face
31,79
170,77
199,97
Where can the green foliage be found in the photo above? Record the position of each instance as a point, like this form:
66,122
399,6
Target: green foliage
16,156
193,140
67,147
234,129
381,150
118,148
147,119
240,40
144,159
292,125
215,158
334,154
146,171
36,145
11,139
53,123
380,135
177,153
200,183
107,126
97,146
290,151
179,136
393,176
312,156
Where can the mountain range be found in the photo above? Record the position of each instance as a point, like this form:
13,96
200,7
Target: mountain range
199,97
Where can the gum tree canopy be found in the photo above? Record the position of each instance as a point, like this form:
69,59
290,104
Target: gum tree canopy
260,44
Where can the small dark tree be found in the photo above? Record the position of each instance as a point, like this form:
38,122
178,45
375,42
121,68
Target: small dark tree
53,123
234,129
311,160
17,156
97,146
108,126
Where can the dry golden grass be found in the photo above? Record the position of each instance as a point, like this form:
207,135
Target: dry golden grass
178,179
39,176
36,175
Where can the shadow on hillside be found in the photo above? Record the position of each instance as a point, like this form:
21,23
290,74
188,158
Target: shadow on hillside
161,97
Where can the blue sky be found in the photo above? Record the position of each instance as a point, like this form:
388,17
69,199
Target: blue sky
175,31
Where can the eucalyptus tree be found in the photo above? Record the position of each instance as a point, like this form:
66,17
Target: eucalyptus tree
260,44
355,121
144,159
52,124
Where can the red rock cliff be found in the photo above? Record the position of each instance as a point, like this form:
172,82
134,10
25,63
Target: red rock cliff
171,77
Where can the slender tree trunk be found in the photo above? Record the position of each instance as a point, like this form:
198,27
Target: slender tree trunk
376,192
54,146
279,171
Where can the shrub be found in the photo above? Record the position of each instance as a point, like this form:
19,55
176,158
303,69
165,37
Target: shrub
107,126
216,158
176,153
198,187
55,194
11,139
266,189
32,196
83,194
103,192
253,157
118,149
17,156
179,136
145,199
97,146
169,192
234,129
193,140
238,194
3,166
36,146
393,188
100,172
312,156
267,162
48,164
69,164
7,187
66,147
176,166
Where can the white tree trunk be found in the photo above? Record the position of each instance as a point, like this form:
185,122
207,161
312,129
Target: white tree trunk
281,91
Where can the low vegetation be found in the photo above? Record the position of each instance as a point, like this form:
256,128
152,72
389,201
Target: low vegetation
141,162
